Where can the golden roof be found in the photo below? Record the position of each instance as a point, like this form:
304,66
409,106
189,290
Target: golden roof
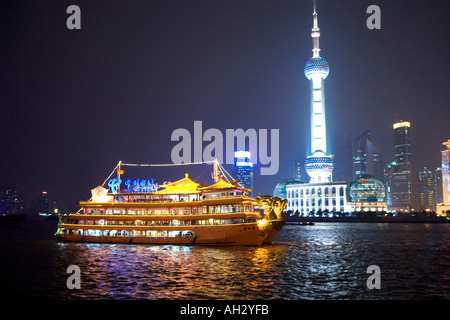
182,186
222,184
447,144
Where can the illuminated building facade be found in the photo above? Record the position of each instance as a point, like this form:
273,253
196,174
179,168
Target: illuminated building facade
399,173
445,169
314,197
244,169
426,190
320,194
438,191
367,193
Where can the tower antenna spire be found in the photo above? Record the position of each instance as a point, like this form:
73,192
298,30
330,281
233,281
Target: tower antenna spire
315,32
319,165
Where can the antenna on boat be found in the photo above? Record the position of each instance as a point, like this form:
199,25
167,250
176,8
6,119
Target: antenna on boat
216,175
119,172
219,172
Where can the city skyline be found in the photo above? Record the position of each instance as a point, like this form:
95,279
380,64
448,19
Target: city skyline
75,102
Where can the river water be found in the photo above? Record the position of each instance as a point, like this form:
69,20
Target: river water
326,261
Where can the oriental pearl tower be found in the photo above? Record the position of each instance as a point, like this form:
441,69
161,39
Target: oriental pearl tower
319,165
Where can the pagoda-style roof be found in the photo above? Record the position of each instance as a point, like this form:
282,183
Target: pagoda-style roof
222,185
182,186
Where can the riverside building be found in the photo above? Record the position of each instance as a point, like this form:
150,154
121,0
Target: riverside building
444,207
399,174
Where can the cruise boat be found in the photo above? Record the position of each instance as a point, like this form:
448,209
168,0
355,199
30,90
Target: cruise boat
184,212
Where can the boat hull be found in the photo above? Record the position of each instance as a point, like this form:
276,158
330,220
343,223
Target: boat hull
241,234
276,227
127,240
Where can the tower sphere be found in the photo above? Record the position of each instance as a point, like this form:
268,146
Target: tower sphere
317,67
320,165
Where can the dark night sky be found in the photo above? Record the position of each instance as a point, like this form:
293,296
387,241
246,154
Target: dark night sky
75,102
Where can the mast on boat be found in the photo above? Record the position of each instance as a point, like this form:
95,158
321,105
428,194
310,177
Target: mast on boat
217,174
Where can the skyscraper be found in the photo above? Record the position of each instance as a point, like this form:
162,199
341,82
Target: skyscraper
367,158
438,191
400,171
445,206
244,169
319,165
44,203
426,190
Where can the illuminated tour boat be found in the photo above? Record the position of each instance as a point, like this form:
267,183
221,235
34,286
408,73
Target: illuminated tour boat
183,212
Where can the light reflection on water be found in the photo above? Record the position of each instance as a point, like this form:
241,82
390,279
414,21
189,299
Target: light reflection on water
174,272
324,261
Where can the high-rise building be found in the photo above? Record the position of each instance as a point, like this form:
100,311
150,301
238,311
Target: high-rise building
426,190
438,191
399,173
11,201
244,169
321,193
445,206
367,158
402,142
44,203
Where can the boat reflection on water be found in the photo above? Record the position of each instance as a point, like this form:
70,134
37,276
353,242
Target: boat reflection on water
324,261
119,271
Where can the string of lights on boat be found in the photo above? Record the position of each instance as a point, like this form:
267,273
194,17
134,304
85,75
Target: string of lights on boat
227,176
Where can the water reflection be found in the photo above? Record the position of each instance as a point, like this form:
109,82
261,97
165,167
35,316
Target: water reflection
173,272
324,261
